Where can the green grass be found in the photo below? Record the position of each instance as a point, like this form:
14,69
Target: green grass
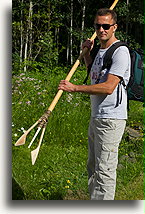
60,169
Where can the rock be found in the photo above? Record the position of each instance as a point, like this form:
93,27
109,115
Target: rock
132,155
132,160
120,166
133,133
123,158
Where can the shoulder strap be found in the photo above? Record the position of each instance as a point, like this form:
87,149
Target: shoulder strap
107,59
107,64
93,54
108,55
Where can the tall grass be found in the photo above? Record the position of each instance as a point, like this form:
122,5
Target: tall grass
60,170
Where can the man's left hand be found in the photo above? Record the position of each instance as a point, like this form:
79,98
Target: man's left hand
66,86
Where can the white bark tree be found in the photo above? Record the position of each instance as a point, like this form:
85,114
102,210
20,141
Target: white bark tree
27,40
83,21
71,34
21,36
30,30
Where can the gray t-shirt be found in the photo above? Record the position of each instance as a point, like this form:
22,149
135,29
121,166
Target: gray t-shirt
115,105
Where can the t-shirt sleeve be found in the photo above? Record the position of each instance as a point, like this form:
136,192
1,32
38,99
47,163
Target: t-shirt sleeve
120,61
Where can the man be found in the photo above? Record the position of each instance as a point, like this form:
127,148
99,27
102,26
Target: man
108,120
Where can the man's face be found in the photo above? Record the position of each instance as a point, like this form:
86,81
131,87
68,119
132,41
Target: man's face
103,34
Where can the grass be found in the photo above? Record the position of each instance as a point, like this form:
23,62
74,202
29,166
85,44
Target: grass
133,190
60,170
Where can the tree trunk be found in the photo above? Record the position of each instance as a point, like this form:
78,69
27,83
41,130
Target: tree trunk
25,53
27,38
30,30
56,40
83,23
71,31
21,35
49,15
67,53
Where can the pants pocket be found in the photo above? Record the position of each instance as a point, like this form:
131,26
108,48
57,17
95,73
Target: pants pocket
108,159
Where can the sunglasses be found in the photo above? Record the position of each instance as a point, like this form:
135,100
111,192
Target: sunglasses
104,26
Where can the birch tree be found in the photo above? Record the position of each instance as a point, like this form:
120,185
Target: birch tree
21,36
29,20
71,34
30,30
83,21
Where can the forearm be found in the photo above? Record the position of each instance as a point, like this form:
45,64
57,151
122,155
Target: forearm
101,88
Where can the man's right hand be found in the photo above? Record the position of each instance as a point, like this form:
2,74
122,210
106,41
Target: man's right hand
88,43
87,58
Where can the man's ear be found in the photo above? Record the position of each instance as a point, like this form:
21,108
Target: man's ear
115,28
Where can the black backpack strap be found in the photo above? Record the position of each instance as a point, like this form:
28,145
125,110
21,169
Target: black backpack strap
119,96
140,66
88,72
107,62
93,54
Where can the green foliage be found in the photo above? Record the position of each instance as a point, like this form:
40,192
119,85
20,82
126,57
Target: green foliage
49,56
15,63
122,9
124,37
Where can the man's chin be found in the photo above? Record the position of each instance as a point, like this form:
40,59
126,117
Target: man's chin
103,37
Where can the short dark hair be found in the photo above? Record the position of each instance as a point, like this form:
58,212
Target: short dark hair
106,11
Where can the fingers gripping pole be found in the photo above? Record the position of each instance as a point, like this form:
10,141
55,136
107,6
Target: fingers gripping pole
59,93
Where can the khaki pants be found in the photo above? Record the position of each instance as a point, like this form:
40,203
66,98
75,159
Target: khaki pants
104,138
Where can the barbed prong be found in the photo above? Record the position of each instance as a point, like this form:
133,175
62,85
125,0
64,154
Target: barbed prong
22,139
35,152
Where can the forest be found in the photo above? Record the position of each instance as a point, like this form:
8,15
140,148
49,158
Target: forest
49,33
46,41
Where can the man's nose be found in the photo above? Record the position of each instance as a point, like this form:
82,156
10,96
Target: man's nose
101,29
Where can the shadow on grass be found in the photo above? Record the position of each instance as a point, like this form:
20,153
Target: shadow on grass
17,193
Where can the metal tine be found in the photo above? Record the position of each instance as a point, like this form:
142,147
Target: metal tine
38,130
35,152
